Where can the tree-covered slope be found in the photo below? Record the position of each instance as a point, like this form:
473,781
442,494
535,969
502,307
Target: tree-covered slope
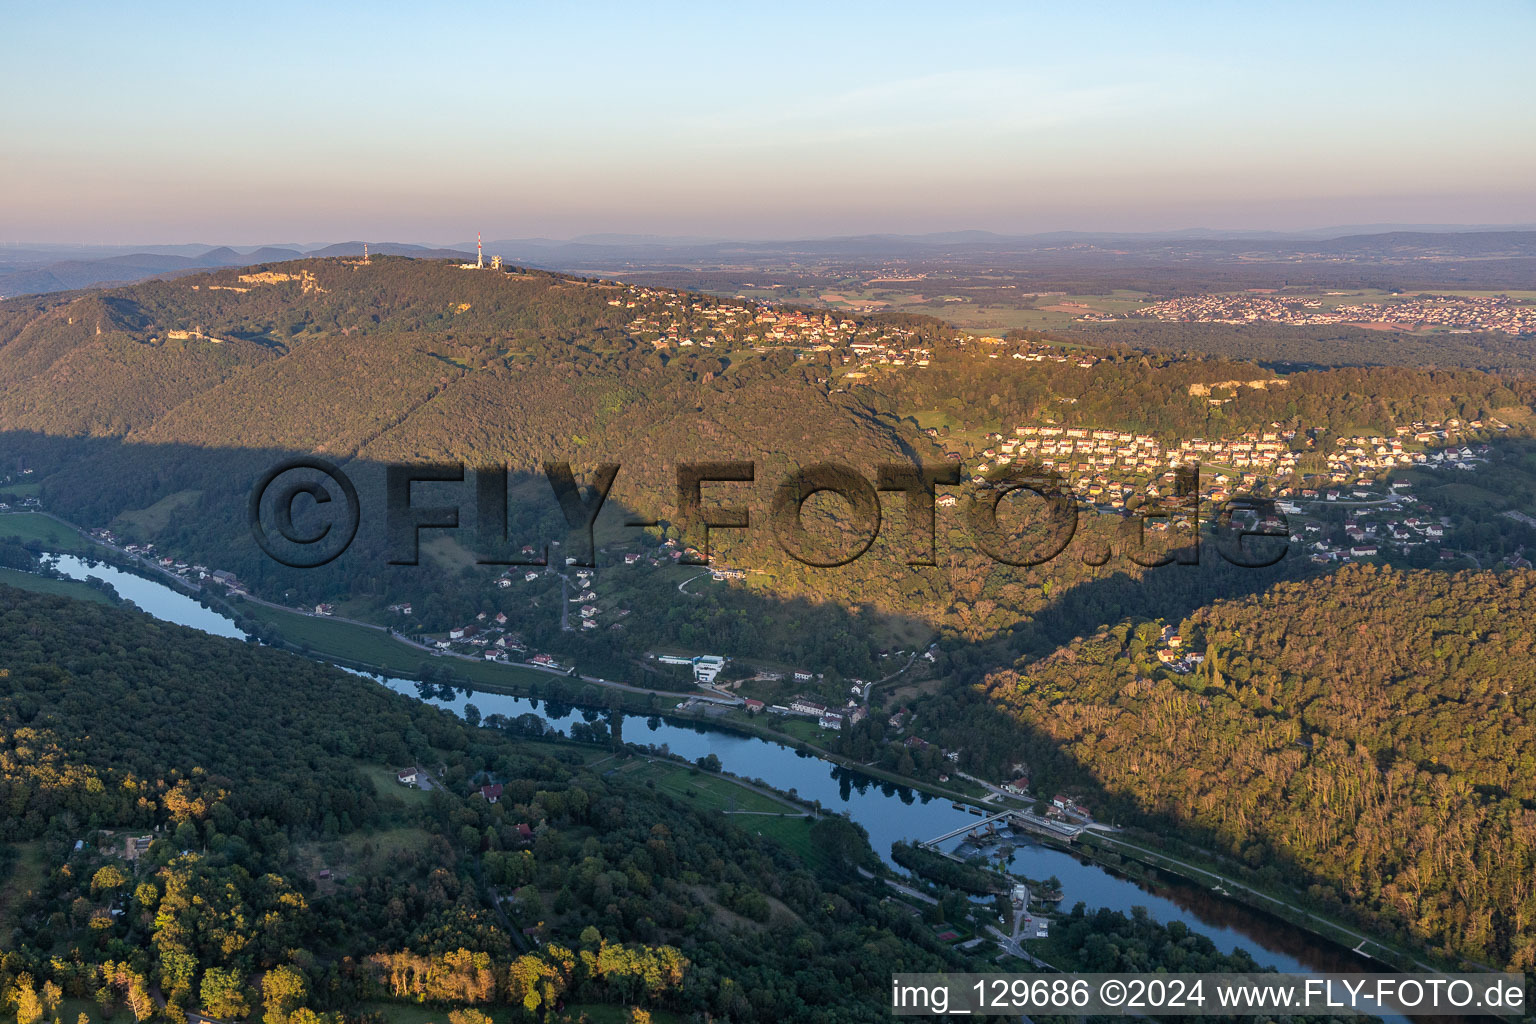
287,868
1372,731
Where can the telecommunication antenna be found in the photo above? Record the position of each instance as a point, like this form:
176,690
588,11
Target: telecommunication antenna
479,253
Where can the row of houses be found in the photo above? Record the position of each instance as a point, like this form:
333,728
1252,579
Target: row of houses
191,572
1107,467
667,320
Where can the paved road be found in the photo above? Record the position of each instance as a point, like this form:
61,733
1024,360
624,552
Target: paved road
903,889
893,675
1013,946
1325,503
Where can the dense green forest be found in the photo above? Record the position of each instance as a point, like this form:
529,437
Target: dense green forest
281,873
1369,734
1150,392
1294,347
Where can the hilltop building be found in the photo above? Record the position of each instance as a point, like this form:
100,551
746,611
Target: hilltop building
479,263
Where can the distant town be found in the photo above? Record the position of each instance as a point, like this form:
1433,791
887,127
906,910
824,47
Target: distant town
1454,313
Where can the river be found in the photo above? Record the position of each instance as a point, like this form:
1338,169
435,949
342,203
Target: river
888,812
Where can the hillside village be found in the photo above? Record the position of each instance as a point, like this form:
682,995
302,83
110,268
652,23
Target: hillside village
1342,496
679,320
668,320
1110,466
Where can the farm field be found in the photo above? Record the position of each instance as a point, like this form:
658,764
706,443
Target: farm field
149,521
34,526
792,833
43,585
703,789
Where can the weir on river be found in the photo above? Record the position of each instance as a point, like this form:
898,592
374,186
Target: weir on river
963,829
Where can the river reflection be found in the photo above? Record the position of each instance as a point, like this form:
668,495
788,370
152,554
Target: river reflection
890,812
158,599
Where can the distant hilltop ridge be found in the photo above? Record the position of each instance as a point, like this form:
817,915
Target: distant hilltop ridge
976,235
1520,240
37,269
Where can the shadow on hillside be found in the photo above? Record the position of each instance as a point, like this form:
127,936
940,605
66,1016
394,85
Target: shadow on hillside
194,501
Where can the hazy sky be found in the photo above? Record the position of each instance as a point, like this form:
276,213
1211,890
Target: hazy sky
140,122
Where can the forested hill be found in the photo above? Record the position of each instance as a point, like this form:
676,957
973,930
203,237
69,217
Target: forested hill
1372,733
287,875
416,360
154,408
420,359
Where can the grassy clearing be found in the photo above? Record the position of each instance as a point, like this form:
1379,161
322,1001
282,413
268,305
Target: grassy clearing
1466,493
28,526
702,789
800,728
386,842
565,750
907,634
404,1013
794,834
339,639
70,1009
355,853
447,552
27,873
43,585
599,1013
151,520
936,419
387,786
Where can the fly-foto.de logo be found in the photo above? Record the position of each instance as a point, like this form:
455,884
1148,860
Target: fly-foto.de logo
305,513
